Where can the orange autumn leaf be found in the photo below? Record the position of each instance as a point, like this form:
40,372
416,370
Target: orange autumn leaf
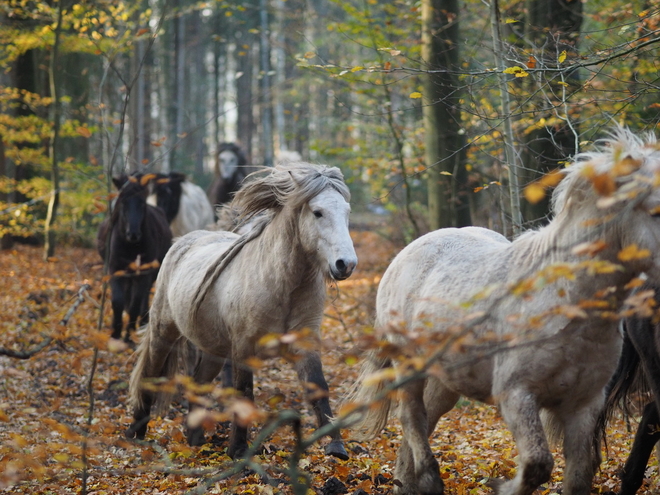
632,252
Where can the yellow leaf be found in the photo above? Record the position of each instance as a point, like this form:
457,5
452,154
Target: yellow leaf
444,172
510,21
61,457
84,131
534,192
415,95
310,55
355,69
562,57
516,71
632,252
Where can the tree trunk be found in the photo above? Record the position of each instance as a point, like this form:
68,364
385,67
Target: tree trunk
244,54
49,248
266,97
447,195
552,26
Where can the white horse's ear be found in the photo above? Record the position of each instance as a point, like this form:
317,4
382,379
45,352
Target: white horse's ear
293,178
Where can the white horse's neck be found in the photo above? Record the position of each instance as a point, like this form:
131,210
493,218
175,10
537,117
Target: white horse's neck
280,244
559,243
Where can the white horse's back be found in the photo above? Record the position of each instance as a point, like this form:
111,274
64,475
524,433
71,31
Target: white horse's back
195,210
529,325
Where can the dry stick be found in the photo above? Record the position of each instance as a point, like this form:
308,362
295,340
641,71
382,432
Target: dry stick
47,338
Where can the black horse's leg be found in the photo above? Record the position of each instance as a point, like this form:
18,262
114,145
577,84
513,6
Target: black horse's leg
648,434
139,296
118,299
243,383
310,371
206,369
645,337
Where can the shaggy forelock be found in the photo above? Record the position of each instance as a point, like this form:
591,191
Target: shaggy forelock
620,143
287,184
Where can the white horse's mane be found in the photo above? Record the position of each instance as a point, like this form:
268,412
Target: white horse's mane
291,183
576,188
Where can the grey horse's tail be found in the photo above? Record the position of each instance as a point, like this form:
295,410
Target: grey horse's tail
368,394
144,370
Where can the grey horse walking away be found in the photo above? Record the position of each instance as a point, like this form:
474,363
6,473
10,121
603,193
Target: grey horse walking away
529,325
223,292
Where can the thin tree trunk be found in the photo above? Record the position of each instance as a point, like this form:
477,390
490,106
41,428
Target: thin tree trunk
266,99
244,53
49,248
511,154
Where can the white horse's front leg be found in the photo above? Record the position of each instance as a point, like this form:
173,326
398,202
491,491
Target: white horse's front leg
421,476
521,414
581,459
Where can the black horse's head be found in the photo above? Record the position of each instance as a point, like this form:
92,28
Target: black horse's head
168,189
131,205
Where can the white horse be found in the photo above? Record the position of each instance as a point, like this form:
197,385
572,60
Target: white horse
529,325
223,292
185,204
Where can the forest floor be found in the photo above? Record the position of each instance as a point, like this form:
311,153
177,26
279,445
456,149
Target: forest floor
46,442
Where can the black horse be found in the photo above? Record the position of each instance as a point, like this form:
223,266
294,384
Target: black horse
139,239
638,371
229,174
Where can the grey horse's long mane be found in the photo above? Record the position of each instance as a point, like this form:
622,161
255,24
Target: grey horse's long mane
288,184
577,189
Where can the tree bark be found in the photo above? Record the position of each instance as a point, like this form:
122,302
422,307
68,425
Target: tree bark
551,26
244,59
448,203
53,204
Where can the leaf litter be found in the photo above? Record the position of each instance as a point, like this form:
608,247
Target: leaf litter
44,403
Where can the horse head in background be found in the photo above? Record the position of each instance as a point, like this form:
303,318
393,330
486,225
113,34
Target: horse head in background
230,172
133,241
185,204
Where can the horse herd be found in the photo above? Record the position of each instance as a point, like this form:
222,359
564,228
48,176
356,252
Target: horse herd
554,327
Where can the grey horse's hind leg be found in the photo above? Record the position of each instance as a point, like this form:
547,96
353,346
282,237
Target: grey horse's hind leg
416,468
521,414
310,370
158,357
581,459
206,369
243,382
438,400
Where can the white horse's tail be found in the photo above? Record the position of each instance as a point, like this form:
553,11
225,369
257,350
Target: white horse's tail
374,419
145,369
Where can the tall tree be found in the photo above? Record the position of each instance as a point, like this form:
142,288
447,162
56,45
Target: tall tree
447,197
245,53
54,202
552,27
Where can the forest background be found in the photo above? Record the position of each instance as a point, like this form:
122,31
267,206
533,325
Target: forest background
439,112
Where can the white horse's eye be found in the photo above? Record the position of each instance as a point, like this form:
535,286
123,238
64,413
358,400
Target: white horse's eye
317,214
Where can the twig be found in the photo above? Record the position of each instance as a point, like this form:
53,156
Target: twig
47,338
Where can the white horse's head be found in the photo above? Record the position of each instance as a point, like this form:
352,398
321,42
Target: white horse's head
228,163
324,229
